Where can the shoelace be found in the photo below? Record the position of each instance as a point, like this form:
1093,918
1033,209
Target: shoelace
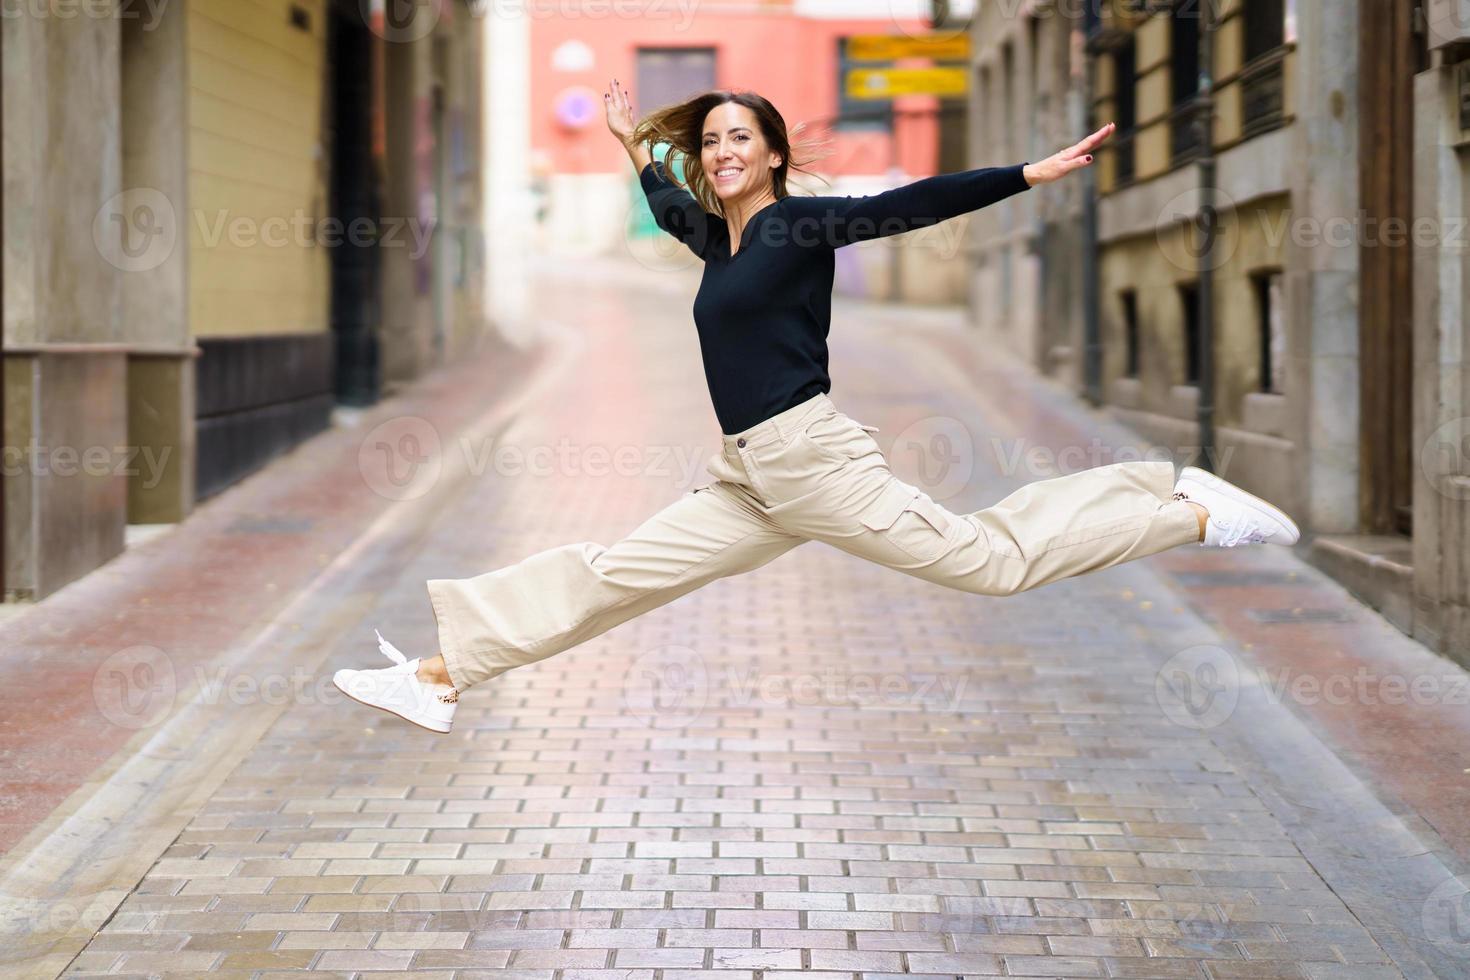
396,655
1245,528
1244,531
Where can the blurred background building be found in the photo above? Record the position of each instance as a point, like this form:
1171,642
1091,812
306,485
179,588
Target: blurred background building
221,219
1324,360
793,52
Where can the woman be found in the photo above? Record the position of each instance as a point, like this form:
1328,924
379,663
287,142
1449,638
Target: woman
793,467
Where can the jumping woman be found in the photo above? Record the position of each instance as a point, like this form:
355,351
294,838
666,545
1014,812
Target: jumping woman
793,467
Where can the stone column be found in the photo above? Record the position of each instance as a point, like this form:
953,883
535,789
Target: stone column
510,206
1322,283
1441,367
154,285
65,373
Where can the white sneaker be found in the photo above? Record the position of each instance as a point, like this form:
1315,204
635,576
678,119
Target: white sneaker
397,689
1236,517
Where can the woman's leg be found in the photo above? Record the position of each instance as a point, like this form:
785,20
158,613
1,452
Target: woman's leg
1047,530
554,600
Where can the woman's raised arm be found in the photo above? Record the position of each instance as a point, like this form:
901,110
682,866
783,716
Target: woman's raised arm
674,209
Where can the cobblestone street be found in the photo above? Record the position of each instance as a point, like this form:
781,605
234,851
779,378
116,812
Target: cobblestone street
823,766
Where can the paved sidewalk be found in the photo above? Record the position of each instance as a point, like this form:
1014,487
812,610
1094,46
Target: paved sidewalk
823,767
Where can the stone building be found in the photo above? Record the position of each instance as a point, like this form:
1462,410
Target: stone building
1340,136
1026,101
221,220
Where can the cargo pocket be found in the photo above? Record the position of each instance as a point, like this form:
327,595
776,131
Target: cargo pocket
911,520
839,438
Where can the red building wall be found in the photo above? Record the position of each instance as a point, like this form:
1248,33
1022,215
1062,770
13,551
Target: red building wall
791,61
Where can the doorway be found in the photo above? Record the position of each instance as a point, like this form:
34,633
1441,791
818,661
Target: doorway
668,75
1390,54
354,201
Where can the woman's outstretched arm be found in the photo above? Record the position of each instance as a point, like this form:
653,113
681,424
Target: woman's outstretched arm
674,209
838,221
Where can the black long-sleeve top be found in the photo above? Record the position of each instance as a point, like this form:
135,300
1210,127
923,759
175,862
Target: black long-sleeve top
763,313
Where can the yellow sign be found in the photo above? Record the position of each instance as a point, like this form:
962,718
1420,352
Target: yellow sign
885,83
887,47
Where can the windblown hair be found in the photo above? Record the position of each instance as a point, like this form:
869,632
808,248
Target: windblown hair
681,126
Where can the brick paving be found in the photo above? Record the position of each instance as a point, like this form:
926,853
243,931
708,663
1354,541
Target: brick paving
823,767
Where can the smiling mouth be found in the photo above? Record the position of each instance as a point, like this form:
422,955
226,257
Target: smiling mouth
728,173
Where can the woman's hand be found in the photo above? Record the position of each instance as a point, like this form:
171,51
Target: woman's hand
620,118
1074,157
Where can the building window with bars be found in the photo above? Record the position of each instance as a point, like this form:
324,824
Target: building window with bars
1184,25
1261,76
1124,112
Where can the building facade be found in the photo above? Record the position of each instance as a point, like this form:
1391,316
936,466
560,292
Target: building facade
221,220
1332,345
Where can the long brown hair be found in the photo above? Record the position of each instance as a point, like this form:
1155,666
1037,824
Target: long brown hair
681,126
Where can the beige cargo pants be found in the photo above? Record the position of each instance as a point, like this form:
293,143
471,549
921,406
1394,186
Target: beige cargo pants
808,473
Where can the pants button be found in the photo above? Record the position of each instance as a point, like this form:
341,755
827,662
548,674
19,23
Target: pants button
740,443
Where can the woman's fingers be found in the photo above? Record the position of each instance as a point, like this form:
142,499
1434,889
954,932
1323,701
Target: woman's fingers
1092,141
1085,145
617,102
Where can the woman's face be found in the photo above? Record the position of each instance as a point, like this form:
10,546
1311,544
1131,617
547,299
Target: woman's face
736,158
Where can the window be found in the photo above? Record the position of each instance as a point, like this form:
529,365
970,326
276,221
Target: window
1129,300
1272,330
1183,78
1189,311
859,114
1184,51
986,123
1261,77
1008,97
1265,27
1124,112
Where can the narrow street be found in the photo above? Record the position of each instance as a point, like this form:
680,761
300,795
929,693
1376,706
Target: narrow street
1189,766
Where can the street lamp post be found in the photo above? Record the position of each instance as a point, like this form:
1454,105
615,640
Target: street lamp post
1092,347
1208,224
